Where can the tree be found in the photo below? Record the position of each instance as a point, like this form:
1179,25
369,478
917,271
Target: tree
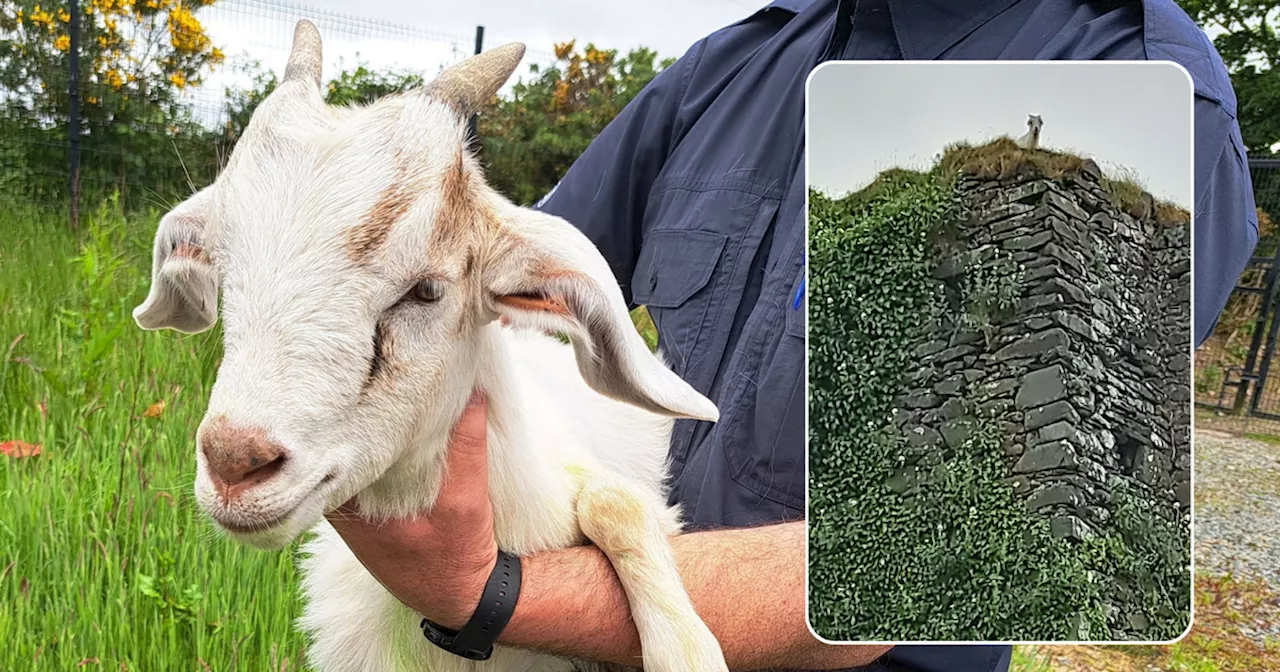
1249,41
532,137
136,57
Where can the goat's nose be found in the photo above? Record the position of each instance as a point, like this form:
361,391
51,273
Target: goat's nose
239,458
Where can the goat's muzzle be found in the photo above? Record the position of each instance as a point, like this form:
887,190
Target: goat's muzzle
239,458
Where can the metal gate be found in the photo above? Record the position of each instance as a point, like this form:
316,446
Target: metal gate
1234,368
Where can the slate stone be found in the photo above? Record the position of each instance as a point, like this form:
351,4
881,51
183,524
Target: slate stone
1055,495
1063,287
1068,259
921,399
1055,455
1064,231
956,432
954,352
950,387
1064,204
1182,493
948,267
925,349
1027,243
1091,170
1040,302
951,408
1026,191
923,437
1041,273
994,408
1005,211
997,388
1035,344
1041,387
965,338
1058,431
1069,527
1047,415
1074,323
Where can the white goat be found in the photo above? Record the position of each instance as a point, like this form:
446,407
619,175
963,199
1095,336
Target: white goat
1031,139
364,264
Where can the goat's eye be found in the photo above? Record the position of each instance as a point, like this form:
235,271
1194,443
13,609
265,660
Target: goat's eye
426,291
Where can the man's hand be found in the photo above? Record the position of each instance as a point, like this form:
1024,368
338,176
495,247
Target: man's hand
571,602
436,563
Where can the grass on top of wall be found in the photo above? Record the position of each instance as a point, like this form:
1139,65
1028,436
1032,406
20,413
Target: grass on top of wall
1002,158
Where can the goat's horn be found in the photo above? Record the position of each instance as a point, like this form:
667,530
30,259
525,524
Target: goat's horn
305,61
470,84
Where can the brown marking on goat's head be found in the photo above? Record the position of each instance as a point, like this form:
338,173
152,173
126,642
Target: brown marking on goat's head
393,201
454,228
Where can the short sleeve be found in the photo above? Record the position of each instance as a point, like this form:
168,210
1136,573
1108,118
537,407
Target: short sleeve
1226,221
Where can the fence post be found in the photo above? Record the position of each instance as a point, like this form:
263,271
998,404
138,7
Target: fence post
471,123
73,111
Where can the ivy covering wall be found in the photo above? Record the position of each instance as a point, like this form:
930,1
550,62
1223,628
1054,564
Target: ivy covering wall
915,535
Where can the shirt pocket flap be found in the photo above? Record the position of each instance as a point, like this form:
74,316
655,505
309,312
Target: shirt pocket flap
674,265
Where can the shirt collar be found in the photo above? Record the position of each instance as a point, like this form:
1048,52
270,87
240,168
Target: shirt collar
925,28
793,6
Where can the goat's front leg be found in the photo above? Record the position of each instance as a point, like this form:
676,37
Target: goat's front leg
632,530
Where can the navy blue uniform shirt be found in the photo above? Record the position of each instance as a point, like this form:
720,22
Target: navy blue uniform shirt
695,195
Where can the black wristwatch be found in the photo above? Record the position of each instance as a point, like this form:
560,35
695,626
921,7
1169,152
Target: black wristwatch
498,601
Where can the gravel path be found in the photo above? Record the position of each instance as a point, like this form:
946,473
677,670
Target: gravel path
1237,526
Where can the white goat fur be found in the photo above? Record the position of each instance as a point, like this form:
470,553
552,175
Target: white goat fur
567,463
1031,139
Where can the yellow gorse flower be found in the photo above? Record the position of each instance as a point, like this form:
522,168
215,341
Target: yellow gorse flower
185,32
40,17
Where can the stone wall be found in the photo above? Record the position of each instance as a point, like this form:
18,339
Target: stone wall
1067,322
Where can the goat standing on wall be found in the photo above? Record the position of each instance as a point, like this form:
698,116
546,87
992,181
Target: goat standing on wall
1031,139
364,265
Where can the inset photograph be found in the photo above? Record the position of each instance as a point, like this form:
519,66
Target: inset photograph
999,341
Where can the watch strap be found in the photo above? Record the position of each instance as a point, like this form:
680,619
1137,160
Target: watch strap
497,603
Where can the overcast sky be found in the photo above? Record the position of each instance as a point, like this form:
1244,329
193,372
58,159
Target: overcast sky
424,35
868,117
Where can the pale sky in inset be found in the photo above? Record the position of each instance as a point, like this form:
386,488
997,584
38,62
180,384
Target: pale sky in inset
865,118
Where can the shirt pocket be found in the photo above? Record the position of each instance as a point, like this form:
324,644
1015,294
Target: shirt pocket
772,464
671,278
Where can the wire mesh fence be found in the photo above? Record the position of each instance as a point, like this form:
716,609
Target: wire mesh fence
164,91
1237,384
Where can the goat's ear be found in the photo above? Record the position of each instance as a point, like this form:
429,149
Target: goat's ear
184,283
545,274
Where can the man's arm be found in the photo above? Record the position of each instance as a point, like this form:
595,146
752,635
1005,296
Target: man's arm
1226,220
747,584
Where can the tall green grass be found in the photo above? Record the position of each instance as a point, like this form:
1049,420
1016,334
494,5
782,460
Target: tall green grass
104,557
